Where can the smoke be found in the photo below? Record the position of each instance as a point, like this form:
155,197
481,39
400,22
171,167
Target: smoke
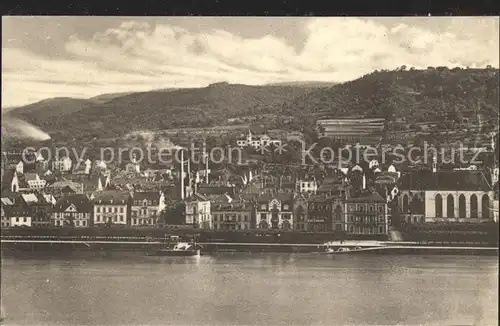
17,128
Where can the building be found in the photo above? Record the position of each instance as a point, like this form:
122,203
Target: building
213,192
63,164
146,208
40,209
197,212
274,211
112,208
233,215
10,181
320,210
34,181
6,207
16,211
366,214
300,212
362,130
73,210
452,196
306,185
257,141
64,187
16,164
495,203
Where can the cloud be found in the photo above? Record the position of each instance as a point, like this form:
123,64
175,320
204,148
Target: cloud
137,56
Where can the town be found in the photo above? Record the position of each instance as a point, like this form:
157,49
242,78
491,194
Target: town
367,199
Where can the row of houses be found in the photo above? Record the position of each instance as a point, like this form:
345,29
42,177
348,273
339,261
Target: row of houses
351,199
365,214
103,208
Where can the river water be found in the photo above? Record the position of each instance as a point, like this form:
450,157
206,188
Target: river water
251,289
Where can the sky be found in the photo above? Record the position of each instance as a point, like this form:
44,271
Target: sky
81,57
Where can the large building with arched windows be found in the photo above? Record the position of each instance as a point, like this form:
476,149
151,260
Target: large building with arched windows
440,196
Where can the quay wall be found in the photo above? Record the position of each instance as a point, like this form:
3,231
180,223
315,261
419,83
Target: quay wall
382,248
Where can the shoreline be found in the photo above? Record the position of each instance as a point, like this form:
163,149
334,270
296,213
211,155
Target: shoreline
13,247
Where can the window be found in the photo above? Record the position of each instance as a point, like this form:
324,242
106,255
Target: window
473,207
450,206
461,206
121,218
439,206
98,209
485,207
121,209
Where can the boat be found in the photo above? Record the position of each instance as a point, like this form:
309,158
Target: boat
181,249
347,247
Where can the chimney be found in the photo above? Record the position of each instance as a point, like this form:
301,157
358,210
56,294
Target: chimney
189,169
206,167
182,174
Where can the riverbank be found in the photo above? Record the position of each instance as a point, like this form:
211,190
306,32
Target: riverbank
374,247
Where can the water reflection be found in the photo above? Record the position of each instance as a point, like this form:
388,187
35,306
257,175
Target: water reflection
251,289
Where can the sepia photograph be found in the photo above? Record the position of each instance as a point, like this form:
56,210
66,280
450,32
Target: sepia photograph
210,170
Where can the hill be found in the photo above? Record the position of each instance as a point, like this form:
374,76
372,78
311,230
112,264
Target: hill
413,96
49,109
312,84
435,94
162,109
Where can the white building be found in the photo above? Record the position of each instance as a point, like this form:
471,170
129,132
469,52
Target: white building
257,141
64,164
111,207
198,212
34,181
453,196
146,208
306,186
275,212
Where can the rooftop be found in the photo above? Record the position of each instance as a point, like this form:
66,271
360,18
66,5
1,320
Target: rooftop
445,180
